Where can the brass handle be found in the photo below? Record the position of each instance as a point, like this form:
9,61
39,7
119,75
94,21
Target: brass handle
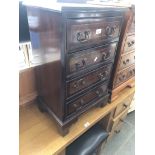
123,76
81,37
80,82
125,105
126,61
103,75
103,56
109,30
117,131
131,43
120,78
75,85
100,76
83,62
121,120
78,65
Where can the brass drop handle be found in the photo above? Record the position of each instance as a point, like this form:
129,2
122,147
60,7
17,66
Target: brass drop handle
131,43
81,82
83,62
125,62
125,105
103,56
121,120
83,36
123,76
117,131
78,64
109,30
102,76
120,78
75,85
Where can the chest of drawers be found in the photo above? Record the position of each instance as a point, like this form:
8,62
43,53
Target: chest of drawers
124,70
76,46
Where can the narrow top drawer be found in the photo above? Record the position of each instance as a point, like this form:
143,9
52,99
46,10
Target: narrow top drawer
87,32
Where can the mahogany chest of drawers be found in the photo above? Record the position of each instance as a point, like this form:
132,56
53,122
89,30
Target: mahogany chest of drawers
76,47
124,70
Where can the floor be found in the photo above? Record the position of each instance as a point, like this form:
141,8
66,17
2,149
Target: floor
122,143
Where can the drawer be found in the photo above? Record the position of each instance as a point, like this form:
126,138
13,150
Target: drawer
90,97
123,106
129,43
115,130
90,31
91,78
124,75
119,119
86,58
127,60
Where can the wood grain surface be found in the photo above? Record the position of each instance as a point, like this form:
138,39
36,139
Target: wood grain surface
39,135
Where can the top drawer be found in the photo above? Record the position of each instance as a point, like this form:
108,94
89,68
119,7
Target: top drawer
84,32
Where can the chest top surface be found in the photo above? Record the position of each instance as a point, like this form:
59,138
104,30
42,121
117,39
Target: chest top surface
60,7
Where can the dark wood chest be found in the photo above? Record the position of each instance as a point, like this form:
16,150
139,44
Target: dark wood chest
75,49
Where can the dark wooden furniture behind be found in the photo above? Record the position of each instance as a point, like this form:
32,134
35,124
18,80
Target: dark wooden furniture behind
124,70
76,46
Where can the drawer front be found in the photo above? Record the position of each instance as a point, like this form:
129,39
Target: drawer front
83,32
116,130
123,106
87,58
127,60
91,78
89,97
129,43
124,75
120,119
